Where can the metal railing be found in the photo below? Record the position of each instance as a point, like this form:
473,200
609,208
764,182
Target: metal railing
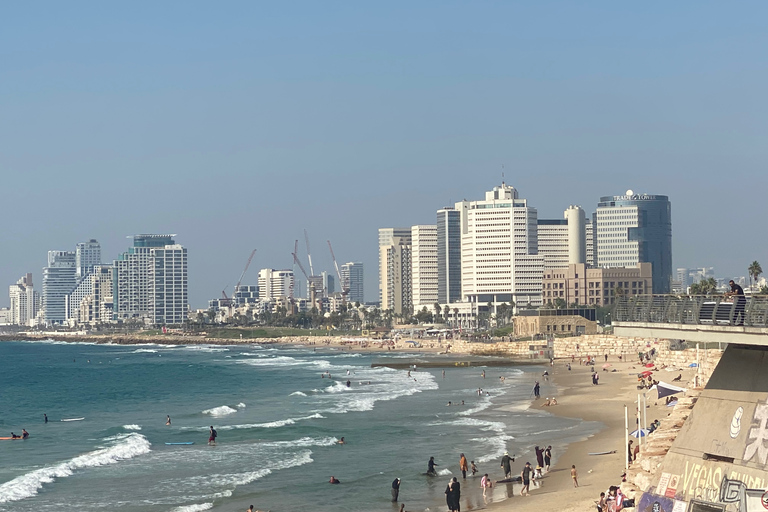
695,310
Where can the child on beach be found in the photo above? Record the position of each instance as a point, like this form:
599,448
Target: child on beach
575,476
486,483
473,467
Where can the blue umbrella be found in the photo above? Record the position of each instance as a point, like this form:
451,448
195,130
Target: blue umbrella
640,433
692,365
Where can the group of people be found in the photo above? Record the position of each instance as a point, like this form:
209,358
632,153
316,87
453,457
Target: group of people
24,435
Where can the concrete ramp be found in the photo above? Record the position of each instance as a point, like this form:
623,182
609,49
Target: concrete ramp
719,460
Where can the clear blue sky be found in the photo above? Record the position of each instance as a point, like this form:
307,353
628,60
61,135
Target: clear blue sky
238,124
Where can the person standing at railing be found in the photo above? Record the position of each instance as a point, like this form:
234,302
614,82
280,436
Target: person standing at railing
739,302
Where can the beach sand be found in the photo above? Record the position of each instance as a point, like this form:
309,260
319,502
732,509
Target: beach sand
578,398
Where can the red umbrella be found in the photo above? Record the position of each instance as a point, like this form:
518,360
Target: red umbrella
645,374
649,365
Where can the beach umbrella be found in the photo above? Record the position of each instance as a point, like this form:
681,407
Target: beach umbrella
672,403
640,433
650,365
606,365
692,365
645,374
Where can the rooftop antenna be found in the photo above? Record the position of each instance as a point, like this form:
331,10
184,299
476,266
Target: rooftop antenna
502,174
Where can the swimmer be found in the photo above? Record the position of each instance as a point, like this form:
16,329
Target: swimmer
448,404
168,420
334,480
45,416
14,436
341,441
431,467
212,436
24,433
349,383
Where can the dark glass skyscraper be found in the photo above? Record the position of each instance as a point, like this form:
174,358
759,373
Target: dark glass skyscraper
635,228
448,255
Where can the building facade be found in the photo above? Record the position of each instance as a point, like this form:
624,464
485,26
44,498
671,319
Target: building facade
581,285
59,279
635,228
150,281
274,283
352,281
424,265
500,262
395,290
87,256
25,301
448,255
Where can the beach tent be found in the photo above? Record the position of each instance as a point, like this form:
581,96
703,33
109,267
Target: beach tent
665,389
640,433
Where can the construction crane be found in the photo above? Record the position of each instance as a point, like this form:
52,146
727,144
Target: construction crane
237,286
291,286
344,286
309,254
296,261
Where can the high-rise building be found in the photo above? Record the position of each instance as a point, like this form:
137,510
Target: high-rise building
352,281
329,283
150,281
590,241
59,279
448,255
632,229
274,284
25,301
500,262
87,256
395,290
424,265
553,242
91,301
245,294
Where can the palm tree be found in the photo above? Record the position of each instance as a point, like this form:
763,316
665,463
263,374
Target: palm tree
704,287
754,272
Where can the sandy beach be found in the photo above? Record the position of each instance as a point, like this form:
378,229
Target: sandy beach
578,398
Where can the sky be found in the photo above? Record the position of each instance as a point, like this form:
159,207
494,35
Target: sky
237,125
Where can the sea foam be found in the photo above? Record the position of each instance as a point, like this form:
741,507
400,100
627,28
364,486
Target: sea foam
29,484
198,507
218,412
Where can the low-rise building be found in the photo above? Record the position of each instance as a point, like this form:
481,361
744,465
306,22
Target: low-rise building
556,322
581,285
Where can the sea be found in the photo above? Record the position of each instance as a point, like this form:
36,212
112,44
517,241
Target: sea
279,413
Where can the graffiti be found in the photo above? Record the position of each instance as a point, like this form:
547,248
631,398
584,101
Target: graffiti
758,434
736,491
700,481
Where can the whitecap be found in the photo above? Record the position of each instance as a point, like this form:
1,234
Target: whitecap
144,350
297,393
132,427
241,405
444,472
220,411
197,507
29,484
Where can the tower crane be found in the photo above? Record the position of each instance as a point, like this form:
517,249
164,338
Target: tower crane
309,254
248,264
344,286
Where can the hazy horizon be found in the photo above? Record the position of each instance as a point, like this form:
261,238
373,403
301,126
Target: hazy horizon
238,127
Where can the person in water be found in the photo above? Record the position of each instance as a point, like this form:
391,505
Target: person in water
45,416
395,490
341,441
14,436
24,433
168,420
463,466
334,480
431,467
212,436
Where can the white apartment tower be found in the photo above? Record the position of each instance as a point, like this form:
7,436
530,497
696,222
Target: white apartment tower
275,283
168,293
352,281
87,256
499,249
395,291
150,279
59,279
424,265
25,301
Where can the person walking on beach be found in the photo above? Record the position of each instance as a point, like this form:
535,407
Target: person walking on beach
539,456
629,451
395,489
547,458
575,476
525,475
506,465
537,390
453,495
212,435
463,466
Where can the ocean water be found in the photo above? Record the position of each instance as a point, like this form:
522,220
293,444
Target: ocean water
278,423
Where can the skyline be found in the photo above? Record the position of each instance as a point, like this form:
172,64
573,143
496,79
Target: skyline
239,129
